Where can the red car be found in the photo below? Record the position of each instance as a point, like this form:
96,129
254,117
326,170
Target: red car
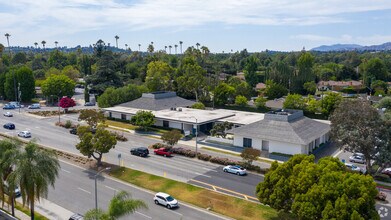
163,151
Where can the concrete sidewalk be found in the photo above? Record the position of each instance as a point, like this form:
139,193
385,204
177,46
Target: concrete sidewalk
50,210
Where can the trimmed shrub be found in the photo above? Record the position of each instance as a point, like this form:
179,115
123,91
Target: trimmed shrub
68,124
119,137
157,146
184,152
205,157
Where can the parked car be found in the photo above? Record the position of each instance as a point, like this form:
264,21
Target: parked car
163,151
34,106
353,167
16,104
387,171
17,192
73,131
8,114
140,151
9,126
76,216
357,159
89,104
8,106
359,154
25,134
381,196
238,170
165,200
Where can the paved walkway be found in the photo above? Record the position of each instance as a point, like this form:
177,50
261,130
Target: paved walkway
48,209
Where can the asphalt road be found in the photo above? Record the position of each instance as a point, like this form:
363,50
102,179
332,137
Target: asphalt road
179,168
75,191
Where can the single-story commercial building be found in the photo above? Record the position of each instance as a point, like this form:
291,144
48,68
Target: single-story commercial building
283,131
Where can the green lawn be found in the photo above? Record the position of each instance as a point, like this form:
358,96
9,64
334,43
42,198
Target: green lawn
226,205
120,124
232,153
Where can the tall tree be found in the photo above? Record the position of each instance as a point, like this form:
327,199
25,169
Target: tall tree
250,71
159,76
176,46
7,35
120,205
357,127
58,86
23,77
144,119
304,73
43,44
374,69
37,169
180,45
36,45
116,40
192,81
56,43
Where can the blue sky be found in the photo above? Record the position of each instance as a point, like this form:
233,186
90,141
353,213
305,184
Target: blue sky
221,25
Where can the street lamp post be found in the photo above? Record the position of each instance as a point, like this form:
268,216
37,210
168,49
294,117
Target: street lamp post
196,135
58,103
96,186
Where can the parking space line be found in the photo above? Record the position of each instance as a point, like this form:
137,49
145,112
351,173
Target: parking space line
174,212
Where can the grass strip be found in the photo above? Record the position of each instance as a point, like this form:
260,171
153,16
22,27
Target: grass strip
26,211
223,204
233,154
120,124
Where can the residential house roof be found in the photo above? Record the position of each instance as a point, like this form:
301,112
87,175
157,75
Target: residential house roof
340,83
260,86
291,128
158,101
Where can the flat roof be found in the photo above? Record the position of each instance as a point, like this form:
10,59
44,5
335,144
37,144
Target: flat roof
241,117
187,115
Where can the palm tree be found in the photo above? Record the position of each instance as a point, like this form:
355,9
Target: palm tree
180,44
139,45
165,48
36,170
7,35
116,40
169,48
120,205
176,46
43,44
9,154
36,45
126,46
56,43
197,45
152,42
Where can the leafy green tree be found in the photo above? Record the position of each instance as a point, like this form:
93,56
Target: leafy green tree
313,105
71,72
159,75
250,71
19,58
274,90
92,117
260,102
374,69
57,59
223,94
95,145
357,127
241,101
305,72
249,155
23,76
52,71
192,81
120,205
36,170
144,119
385,103
171,137
58,86
294,101
113,96
310,87
86,95
322,190
330,101
219,129
198,105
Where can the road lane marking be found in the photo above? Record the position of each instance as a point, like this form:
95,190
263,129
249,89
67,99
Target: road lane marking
66,171
174,212
111,188
144,215
209,169
84,190
200,174
247,197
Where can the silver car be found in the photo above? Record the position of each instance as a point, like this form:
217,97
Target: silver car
8,114
353,167
238,170
357,159
25,134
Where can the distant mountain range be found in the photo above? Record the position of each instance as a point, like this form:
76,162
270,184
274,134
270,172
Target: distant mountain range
352,47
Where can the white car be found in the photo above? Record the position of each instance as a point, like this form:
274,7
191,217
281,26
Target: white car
166,200
357,159
353,167
25,134
8,114
238,170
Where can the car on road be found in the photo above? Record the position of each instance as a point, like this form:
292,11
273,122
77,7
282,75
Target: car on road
17,192
238,170
73,131
9,126
140,151
8,114
89,104
76,216
353,167
387,171
357,159
34,106
8,106
165,200
16,104
163,152
25,134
